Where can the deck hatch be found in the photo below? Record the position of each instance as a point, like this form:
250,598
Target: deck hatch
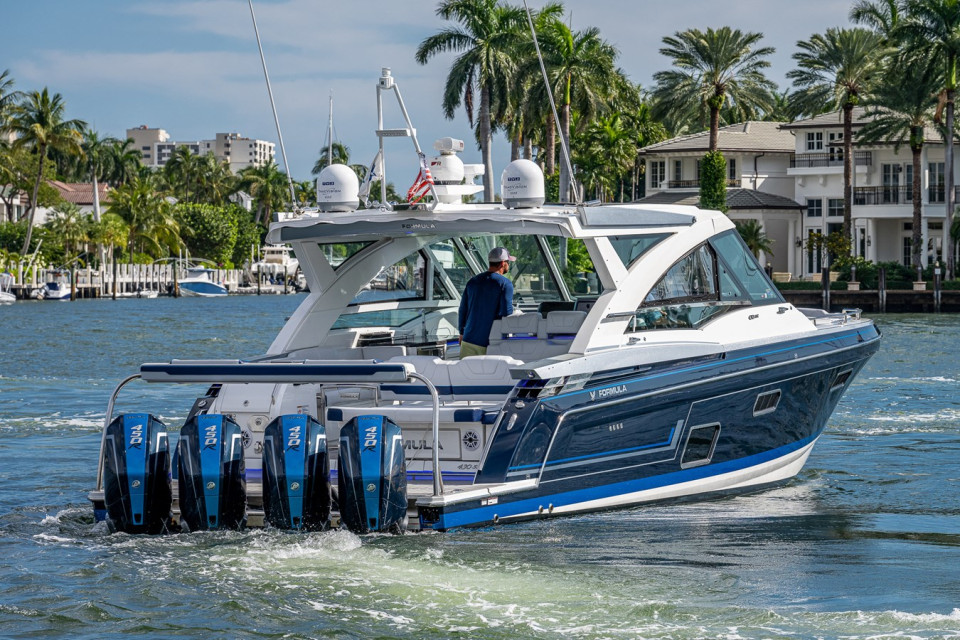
766,403
701,442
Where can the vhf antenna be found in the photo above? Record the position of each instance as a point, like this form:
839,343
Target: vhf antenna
553,107
273,105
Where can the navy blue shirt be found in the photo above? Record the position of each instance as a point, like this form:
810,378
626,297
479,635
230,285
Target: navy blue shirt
487,296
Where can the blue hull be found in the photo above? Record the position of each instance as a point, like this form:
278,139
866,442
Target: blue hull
703,422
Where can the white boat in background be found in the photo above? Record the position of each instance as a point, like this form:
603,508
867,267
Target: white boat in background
58,288
199,281
6,296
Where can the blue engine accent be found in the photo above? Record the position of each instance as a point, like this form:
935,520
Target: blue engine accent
296,473
372,475
136,474
210,474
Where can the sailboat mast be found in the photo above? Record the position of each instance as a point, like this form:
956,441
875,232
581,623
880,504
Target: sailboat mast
330,134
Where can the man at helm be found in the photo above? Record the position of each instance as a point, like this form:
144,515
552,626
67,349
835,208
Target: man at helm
487,297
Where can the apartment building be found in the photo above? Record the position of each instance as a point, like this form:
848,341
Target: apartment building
156,148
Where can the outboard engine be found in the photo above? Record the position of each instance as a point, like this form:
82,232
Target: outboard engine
210,474
372,476
136,474
296,473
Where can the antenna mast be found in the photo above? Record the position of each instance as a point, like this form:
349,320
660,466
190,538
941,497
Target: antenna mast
330,133
273,105
553,107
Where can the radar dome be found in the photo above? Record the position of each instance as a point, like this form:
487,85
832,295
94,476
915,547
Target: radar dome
521,185
338,189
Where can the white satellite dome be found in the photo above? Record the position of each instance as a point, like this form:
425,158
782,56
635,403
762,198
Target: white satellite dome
338,189
521,185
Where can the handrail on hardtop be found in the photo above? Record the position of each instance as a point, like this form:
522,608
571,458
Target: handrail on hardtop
306,371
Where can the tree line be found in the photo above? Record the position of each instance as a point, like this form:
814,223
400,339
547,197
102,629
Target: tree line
900,63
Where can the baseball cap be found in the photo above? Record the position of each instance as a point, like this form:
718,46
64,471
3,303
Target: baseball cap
499,254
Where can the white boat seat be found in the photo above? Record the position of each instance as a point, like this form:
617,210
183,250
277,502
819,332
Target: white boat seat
483,378
529,337
563,324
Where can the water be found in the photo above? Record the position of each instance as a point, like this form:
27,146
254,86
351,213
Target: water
865,543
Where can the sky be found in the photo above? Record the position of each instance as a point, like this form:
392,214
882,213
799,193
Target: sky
192,67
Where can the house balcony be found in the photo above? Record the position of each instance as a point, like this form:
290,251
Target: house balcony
693,184
830,159
896,194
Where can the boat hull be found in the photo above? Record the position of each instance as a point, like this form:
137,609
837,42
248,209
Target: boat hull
202,289
698,428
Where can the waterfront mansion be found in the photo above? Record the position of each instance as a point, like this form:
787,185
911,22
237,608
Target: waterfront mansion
789,177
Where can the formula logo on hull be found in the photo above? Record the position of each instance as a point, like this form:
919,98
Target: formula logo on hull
609,392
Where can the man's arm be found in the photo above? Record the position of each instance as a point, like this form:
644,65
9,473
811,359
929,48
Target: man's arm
462,314
506,304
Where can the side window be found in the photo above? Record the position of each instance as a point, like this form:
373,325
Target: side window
685,297
740,270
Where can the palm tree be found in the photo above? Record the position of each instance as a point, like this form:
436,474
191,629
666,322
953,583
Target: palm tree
931,29
582,73
268,186
836,70
151,226
883,15
900,109
124,162
38,122
341,155
182,172
97,157
488,37
71,226
711,68
754,237
8,97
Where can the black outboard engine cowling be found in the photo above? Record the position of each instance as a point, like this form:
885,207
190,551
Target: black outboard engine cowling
210,474
296,473
136,474
372,476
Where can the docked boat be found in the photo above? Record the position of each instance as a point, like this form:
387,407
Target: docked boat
6,294
200,281
670,367
57,286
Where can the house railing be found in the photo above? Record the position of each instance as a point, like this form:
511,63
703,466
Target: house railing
891,194
829,159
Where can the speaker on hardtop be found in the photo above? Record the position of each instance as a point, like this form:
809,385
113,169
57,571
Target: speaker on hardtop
210,474
296,473
136,474
372,476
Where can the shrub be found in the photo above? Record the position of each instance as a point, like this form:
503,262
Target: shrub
713,182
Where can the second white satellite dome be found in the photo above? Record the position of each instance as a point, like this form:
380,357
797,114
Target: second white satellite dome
521,185
338,189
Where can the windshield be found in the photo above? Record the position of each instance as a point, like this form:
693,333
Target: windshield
532,279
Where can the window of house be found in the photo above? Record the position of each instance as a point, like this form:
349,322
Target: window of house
814,141
835,207
677,170
814,208
658,173
732,169
908,182
937,181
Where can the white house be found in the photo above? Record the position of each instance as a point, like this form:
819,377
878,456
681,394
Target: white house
155,148
758,187
882,210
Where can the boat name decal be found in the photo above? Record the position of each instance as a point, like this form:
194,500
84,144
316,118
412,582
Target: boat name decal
293,438
418,225
210,442
370,438
136,436
608,392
